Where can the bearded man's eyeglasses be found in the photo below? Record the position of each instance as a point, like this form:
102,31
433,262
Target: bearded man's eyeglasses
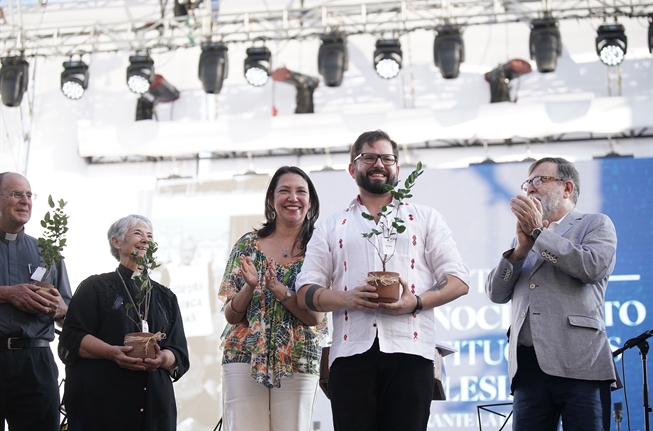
371,158
538,181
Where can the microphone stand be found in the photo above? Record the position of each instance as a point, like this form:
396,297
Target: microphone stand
642,344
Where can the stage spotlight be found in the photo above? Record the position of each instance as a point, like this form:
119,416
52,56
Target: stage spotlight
448,51
145,107
611,43
140,73
162,90
13,80
305,86
74,79
545,44
257,65
387,58
213,67
499,78
332,60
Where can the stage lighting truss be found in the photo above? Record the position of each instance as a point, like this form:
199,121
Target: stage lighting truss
140,73
14,78
611,44
257,65
74,79
332,59
387,58
213,67
448,51
545,43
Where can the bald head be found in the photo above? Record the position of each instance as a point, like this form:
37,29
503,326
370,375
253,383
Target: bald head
15,212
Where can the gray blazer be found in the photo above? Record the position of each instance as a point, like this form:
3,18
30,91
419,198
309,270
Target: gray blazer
561,285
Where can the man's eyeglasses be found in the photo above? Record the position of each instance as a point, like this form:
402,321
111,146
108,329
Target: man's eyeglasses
371,158
19,195
537,181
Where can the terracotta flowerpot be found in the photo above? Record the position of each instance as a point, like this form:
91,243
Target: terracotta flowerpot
387,285
143,343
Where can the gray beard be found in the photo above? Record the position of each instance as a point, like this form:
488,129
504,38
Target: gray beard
549,205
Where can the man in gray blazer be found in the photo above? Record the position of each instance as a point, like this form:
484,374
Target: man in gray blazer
556,274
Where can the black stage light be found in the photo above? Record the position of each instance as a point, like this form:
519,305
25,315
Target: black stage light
611,44
305,86
448,51
74,79
214,66
181,7
332,59
499,78
545,44
162,90
140,73
13,80
257,65
387,58
145,107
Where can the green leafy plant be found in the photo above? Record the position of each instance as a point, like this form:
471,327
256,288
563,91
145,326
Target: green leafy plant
53,242
389,225
146,264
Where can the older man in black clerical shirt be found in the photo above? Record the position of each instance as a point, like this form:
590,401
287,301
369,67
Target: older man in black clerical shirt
29,392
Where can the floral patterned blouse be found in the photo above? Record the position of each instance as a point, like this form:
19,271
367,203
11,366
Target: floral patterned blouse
271,339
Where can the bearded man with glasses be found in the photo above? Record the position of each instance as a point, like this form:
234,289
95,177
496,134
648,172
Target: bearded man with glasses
381,360
29,391
556,274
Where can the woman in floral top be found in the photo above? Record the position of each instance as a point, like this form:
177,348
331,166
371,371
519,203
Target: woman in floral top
271,346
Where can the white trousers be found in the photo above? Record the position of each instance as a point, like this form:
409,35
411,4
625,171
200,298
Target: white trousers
250,406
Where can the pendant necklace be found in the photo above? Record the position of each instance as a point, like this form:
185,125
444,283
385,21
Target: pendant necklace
285,250
144,324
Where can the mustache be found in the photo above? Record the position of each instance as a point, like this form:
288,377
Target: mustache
377,171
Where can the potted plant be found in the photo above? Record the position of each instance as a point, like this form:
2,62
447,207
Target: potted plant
53,242
387,229
141,304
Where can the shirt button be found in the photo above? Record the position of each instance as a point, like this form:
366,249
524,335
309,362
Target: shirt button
374,325
144,389
532,286
523,314
141,410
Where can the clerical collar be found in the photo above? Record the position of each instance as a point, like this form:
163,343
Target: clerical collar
10,236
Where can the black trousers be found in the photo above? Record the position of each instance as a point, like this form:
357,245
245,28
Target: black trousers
377,391
29,392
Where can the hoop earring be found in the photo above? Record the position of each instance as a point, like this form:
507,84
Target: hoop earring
273,215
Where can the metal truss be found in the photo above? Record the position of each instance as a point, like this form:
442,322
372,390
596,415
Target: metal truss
384,19
645,133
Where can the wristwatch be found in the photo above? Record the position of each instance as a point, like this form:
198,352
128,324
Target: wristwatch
418,307
536,232
285,298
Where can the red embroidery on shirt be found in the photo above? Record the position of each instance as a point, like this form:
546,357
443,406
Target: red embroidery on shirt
345,288
346,316
412,264
347,210
414,335
410,217
344,221
345,337
414,240
345,263
340,243
412,288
